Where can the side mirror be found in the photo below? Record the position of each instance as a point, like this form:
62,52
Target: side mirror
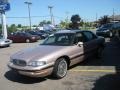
80,44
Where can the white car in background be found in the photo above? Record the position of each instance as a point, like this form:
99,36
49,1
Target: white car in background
4,42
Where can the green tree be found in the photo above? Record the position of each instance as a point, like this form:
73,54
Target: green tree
64,24
19,26
104,20
44,22
34,25
75,19
48,22
81,23
12,28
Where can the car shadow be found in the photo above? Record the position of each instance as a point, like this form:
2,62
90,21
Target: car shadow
2,47
111,57
108,82
15,77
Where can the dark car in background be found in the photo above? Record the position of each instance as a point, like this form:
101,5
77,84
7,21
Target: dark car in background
108,30
41,35
22,37
105,30
48,32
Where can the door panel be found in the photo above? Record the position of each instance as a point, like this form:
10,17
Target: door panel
77,54
90,45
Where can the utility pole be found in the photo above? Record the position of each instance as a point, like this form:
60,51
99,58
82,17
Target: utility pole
113,15
51,14
4,28
67,17
96,19
29,12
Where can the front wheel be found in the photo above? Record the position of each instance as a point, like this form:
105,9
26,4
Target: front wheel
60,68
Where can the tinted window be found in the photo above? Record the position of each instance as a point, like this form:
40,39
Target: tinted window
79,38
108,26
89,36
59,39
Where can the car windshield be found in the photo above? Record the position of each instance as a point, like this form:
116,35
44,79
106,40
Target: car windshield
108,26
59,39
27,34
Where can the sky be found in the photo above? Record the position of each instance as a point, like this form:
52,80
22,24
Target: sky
87,9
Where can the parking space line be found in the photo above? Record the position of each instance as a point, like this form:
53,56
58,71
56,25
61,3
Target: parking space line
107,71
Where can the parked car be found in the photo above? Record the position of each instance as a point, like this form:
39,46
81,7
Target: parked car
57,53
109,30
41,35
4,42
21,37
105,30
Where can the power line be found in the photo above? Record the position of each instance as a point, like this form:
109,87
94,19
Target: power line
36,17
51,14
31,17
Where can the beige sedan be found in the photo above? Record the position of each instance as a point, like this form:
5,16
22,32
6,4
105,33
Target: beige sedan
57,53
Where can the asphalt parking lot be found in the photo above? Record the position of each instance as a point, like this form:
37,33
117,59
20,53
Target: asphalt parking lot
92,74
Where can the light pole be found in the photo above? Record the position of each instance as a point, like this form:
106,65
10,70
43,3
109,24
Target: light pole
29,3
67,17
51,14
4,28
113,15
96,19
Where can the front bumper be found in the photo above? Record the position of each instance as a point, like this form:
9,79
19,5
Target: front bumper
33,72
4,44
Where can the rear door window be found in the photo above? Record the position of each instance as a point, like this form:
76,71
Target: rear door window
89,36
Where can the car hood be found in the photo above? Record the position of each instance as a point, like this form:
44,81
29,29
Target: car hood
38,52
102,29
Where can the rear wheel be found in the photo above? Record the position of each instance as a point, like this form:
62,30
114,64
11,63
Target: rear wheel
60,68
27,40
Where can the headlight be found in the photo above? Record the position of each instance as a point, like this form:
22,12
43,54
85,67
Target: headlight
36,63
2,42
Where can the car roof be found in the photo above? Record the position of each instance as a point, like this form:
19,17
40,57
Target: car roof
70,31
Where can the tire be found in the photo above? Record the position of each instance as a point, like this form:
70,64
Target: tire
27,40
100,52
8,45
60,68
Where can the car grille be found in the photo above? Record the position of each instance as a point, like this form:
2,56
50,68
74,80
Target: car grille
19,62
